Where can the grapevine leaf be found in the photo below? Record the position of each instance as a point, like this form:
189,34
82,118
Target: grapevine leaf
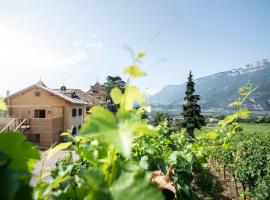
103,123
236,103
125,139
226,146
210,135
96,184
243,113
229,119
144,163
100,121
116,95
2,105
56,182
135,185
139,56
134,71
132,94
52,151
21,152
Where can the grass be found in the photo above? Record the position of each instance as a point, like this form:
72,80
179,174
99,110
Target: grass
259,128
249,127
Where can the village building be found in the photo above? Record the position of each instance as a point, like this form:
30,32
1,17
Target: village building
97,90
88,98
43,114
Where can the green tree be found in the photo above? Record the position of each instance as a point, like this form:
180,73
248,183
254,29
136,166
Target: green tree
159,117
191,109
112,82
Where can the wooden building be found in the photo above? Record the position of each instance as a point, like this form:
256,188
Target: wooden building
97,90
43,113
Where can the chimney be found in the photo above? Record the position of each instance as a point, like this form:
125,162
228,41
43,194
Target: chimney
8,100
8,93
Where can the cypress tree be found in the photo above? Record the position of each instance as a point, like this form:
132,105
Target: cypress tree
191,109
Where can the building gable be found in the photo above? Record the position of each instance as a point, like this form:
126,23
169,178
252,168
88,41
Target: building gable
36,96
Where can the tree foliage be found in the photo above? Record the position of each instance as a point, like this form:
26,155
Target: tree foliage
159,117
191,109
111,83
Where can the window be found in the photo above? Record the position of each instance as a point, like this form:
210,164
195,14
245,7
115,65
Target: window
79,127
37,93
80,112
73,95
40,114
74,112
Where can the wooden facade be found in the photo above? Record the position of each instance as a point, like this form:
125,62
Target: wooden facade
44,114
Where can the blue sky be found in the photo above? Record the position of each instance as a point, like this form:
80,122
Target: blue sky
74,42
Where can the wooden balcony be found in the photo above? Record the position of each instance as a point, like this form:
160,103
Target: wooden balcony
46,128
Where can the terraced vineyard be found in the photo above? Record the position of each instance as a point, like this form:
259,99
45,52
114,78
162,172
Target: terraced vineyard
122,156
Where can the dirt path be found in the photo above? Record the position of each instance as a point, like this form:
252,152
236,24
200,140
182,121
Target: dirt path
210,186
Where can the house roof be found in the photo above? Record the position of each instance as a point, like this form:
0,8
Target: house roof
42,86
97,88
41,83
83,96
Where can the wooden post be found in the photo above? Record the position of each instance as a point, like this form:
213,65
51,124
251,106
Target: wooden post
235,185
224,172
244,189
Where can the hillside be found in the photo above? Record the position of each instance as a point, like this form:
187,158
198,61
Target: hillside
219,89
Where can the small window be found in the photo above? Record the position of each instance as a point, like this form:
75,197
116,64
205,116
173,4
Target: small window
73,95
40,114
80,112
37,93
79,127
74,112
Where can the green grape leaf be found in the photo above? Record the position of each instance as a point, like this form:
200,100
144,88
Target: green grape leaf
52,151
21,152
243,113
116,95
144,163
212,135
134,71
139,56
125,137
57,181
96,185
236,103
132,94
143,128
3,105
135,185
226,146
229,119
99,122
103,123
181,160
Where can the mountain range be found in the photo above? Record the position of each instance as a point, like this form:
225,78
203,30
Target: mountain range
218,90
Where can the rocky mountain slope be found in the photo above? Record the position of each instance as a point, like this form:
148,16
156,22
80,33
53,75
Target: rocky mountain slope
219,89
